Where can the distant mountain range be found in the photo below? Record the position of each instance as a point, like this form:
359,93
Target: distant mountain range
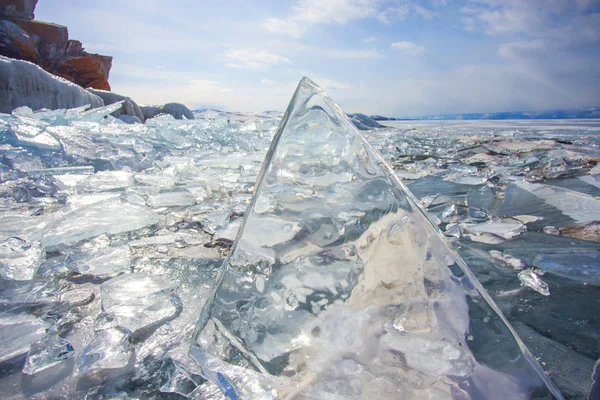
593,112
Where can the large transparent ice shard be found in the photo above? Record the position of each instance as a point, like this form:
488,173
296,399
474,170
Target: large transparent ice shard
339,286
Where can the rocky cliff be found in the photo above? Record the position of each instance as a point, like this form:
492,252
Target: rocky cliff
48,45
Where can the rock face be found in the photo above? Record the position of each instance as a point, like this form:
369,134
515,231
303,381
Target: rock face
51,39
48,45
130,107
16,43
18,8
177,110
25,84
87,70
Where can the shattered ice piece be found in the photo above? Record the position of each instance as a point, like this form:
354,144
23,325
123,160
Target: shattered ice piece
110,216
551,230
176,379
171,199
106,263
19,259
159,181
407,175
228,233
532,280
505,230
79,201
194,252
468,180
527,218
581,207
140,300
78,296
42,141
582,266
110,349
178,239
97,114
129,287
514,262
34,292
211,222
17,332
86,169
47,352
106,180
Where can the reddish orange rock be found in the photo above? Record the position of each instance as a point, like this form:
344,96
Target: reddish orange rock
16,43
101,84
94,66
51,38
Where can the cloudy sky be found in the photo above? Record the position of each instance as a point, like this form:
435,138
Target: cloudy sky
394,57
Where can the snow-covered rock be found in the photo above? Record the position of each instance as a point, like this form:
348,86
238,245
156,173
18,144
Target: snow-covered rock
363,122
25,84
129,108
177,110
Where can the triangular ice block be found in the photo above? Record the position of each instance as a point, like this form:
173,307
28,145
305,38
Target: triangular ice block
339,287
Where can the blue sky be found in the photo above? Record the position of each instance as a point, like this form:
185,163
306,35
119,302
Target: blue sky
394,57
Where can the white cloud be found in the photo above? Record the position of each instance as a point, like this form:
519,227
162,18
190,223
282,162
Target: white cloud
408,48
369,39
393,13
425,13
312,12
253,58
265,81
356,54
517,49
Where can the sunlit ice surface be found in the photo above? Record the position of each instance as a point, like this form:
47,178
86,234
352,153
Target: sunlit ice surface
113,238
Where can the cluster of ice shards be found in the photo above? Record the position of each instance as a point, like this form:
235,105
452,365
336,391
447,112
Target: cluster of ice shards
339,286
111,238
519,200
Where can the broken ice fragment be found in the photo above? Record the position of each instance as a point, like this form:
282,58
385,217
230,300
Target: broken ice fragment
78,296
580,266
46,353
109,349
532,280
139,300
106,180
228,233
110,216
17,332
105,263
176,379
339,286
579,206
505,230
551,230
19,259
213,221
171,199
508,259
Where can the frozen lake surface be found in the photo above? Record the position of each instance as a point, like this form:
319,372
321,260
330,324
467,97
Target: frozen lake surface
112,236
